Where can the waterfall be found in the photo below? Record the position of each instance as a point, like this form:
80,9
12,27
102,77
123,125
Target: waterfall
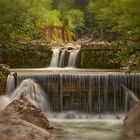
31,91
4,101
55,58
10,84
61,61
97,94
72,58
58,56
27,89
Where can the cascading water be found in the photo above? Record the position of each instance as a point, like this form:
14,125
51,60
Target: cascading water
78,100
10,84
27,89
72,58
61,61
81,98
10,87
31,91
4,101
95,94
58,56
74,50
55,58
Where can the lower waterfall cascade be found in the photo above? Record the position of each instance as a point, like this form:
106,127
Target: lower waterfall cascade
10,85
94,94
27,89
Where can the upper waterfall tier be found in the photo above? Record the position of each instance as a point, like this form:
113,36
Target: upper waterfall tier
55,58
59,53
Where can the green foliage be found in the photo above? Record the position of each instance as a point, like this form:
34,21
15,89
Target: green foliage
25,20
124,54
1,76
53,18
116,21
128,57
106,19
75,19
97,59
112,18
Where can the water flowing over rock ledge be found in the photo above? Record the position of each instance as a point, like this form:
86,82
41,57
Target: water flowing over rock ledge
39,55
92,93
95,93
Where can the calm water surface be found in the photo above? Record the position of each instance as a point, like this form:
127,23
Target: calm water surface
88,129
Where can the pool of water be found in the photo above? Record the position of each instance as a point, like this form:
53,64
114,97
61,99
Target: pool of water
67,69
88,129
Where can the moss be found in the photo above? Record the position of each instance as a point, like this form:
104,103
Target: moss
97,59
1,76
2,82
28,56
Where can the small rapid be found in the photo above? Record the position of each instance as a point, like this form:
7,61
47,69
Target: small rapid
88,129
28,89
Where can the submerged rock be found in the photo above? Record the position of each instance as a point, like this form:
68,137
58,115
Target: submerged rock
132,124
21,120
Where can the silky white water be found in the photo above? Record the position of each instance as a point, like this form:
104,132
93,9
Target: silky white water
61,61
55,58
58,56
10,84
29,90
73,58
93,93
71,125
88,129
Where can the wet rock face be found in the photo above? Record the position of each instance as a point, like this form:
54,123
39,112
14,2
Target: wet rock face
21,120
132,124
4,71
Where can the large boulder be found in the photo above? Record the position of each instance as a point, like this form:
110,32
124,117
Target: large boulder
21,120
132,124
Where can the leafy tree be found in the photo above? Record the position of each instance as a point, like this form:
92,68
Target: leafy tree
75,19
116,21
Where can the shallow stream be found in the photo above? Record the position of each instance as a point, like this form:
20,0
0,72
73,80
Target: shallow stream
88,129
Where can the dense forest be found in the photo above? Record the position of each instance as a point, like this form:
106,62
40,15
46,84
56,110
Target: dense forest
115,21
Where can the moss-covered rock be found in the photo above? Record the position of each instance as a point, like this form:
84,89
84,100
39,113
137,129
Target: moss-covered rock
27,56
4,71
97,59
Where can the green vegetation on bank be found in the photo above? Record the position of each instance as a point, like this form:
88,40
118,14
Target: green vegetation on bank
116,21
